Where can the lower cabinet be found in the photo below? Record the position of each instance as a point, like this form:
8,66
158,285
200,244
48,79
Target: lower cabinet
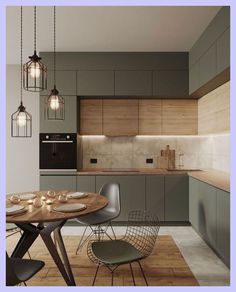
58,182
85,183
155,195
176,198
132,192
209,214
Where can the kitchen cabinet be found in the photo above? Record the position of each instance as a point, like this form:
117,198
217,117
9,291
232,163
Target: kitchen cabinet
223,225
169,83
223,51
120,117
207,65
155,195
65,82
91,117
194,202
132,192
68,125
194,76
176,198
179,117
58,182
96,83
133,83
85,183
150,117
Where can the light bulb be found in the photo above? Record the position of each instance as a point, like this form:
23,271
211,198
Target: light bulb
34,70
21,119
54,102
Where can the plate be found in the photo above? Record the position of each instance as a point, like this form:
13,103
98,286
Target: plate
77,195
26,197
67,208
16,209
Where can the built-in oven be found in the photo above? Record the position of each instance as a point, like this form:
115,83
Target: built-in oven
58,151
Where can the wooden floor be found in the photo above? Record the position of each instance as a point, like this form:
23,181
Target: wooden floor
165,267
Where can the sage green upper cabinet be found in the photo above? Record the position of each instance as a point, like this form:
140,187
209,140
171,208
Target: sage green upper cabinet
176,198
155,196
95,83
58,182
65,82
133,83
194,75
207,65
170,83
68,125
223,51
86,183
223,225
132,192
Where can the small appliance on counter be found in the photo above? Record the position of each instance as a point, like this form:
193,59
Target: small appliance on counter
58,151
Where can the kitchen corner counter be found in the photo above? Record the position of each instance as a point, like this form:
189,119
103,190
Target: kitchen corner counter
216,178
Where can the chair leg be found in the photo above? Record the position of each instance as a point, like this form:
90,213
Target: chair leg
143,273
132,273
112,278
25,283
95,276
112,230
80,242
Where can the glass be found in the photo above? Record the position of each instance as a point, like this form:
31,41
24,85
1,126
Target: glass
62,198
51,194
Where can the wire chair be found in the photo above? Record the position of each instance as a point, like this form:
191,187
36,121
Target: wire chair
137,244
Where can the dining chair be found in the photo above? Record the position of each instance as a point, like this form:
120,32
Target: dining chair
137,244
21,270
100,221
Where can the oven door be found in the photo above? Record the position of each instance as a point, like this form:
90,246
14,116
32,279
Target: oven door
57,155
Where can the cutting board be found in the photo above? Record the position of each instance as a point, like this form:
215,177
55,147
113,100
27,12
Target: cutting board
167,158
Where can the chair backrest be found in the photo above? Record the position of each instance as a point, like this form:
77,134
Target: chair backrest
11,277
142,230
112,192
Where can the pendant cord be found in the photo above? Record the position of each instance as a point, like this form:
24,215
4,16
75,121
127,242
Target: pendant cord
34,28
54,45
21,41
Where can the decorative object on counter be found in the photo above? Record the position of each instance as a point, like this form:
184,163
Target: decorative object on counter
15,199
21,120
34,71
62,198
167,158
55,104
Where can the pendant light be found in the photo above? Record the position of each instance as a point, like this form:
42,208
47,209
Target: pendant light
55,104
21,120
35,72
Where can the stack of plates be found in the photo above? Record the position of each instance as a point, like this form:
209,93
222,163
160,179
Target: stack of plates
26,197
77,195
67,208
16,209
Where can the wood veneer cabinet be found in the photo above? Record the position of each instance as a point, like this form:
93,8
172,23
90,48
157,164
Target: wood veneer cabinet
91,117
120,117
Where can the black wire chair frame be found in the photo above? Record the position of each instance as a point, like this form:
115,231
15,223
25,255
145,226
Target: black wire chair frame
142,232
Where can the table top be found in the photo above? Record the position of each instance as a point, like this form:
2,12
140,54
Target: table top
93,202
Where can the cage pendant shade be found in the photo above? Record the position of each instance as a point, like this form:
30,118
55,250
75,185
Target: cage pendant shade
21,123
54,106
34,74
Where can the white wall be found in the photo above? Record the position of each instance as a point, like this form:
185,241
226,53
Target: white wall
22,169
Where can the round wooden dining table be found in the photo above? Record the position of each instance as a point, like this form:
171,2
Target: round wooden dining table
48,222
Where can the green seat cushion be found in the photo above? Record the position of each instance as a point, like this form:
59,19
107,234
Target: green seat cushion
112,252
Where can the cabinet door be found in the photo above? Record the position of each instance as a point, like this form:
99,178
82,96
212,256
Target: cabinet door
223,51
179,117
132,192
170,83
85,183
155,198
58,182
120,117
91,117
194,203
68,125
95,83
223,225
176,198
194,75
207,213
130,83
207,65
150,119
65,82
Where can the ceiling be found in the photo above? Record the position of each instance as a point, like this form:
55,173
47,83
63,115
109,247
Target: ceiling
108,29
